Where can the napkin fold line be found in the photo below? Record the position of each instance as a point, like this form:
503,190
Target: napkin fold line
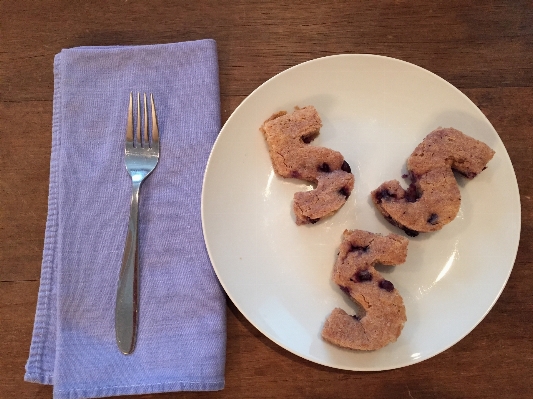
46,311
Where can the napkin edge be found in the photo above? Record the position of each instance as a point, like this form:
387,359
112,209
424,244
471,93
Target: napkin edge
208,42
177,386
43,334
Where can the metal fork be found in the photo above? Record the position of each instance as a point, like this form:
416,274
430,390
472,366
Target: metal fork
142,156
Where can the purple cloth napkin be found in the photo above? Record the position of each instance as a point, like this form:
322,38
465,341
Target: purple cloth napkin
181,340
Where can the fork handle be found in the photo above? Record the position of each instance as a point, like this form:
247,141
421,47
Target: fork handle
127,305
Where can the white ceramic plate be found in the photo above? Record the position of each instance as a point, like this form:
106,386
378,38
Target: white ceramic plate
375,110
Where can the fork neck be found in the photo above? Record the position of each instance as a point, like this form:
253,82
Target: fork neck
136,186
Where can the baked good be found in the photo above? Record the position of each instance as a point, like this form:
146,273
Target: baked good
432,200
288,137
329,195
382,310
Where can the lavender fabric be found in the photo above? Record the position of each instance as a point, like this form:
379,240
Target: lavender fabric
181,340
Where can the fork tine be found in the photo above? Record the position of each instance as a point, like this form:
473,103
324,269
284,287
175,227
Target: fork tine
129,125
145,133
138,122
155,129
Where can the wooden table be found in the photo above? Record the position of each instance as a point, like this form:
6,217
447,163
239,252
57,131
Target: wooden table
483,48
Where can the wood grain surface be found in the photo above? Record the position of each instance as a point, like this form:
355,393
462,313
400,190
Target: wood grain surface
484,48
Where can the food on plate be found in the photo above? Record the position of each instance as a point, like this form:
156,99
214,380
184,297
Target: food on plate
288,137
432,200
383,312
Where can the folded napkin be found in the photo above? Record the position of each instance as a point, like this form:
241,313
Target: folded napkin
181,339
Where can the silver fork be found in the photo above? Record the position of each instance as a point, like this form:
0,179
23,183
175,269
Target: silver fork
142,156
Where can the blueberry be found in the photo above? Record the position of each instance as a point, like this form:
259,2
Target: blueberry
346,167
295,174
468,175
411,194
433,219
324,168
384,195
362,275
346,290
358,248
409,232
344,191
386,285
309,137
